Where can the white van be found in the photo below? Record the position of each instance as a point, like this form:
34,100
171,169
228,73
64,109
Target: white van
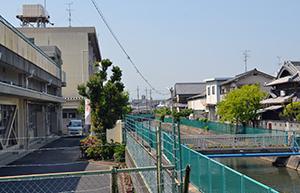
75,127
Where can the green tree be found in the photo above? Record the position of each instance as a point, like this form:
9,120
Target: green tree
162,112
292,111
81,107
241,105
182,113
107,97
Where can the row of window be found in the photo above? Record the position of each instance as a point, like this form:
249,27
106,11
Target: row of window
69,115
212,88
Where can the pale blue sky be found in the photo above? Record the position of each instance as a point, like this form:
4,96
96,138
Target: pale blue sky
185,40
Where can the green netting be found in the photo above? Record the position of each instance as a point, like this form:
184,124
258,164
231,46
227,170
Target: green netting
222,128
207,174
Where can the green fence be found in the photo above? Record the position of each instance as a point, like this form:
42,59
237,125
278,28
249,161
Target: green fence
207,174
223,128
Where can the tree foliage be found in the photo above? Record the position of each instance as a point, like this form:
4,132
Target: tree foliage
183,113
162,112
241,105
292,111
107,97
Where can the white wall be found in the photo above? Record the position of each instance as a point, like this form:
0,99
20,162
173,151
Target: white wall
212,92
197,104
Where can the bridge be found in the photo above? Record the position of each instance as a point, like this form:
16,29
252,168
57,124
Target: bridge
243,145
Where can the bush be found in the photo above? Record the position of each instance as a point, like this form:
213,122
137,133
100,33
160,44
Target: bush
119,155
205,120
92,148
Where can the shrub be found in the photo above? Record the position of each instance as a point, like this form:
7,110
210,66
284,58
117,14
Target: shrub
119,155
92,148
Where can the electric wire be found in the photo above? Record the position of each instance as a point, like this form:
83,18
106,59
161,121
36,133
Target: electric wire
124,50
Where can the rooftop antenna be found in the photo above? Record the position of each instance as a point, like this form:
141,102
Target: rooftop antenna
246,56
279,58
69,10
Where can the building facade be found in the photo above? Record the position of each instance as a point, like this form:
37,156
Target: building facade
213,96
30,91
283,90
80,50
183,91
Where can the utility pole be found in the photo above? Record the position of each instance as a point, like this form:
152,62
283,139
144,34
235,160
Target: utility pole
146,98
138,98
246,56
150,99
69,10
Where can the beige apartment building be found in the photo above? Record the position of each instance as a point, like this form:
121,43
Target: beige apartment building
31,84
80,50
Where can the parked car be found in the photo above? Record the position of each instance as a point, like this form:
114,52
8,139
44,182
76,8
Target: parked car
75,127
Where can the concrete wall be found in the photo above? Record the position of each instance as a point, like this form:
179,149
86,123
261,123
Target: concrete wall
77,55
279,125
116,133
18,43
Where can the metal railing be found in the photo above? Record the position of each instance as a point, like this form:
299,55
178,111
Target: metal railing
239,141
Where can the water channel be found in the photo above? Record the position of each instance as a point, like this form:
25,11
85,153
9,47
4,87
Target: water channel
282,179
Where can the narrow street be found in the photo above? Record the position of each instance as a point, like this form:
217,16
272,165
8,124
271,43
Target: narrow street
64,159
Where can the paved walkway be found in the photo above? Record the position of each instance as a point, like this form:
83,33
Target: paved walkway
64,159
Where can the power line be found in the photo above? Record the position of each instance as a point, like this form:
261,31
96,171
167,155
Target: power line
123,49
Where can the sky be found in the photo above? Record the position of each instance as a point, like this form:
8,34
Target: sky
184,40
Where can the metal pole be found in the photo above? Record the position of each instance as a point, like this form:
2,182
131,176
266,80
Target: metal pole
159,160
180,155
187,179
114,180
174,145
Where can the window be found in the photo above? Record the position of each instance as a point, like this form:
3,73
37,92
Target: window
208,90
65,115
213,90
71,115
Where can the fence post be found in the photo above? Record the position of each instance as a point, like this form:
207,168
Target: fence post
159,160
149,135
242,184
187,179
173,180
180,155
209,176
174,143
223,179
114,180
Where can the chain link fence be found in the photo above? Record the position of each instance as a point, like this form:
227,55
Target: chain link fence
92,183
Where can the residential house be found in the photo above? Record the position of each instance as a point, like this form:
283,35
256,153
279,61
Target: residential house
183,91
213,95
283,90
216,89
247,78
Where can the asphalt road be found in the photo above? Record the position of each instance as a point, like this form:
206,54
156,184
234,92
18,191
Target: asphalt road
64,159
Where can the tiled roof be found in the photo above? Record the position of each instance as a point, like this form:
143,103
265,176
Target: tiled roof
192,88
277,100
250,72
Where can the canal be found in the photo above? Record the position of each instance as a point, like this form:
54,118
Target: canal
282,179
